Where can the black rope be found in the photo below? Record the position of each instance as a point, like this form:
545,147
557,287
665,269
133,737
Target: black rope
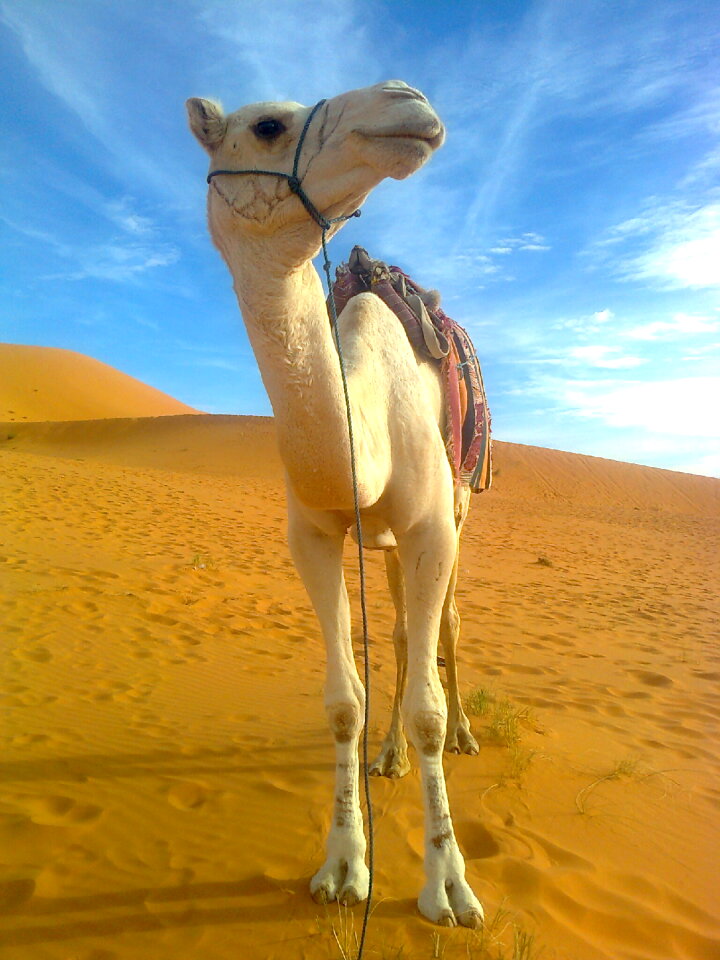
295,184
363,605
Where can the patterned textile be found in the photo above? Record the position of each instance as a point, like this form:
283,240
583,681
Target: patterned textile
434,336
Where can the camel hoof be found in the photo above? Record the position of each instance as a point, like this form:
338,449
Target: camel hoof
461,741
390,762
446,919
322,895
349,897
470,918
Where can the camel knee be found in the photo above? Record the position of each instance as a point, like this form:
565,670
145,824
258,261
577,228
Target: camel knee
345,720
427,731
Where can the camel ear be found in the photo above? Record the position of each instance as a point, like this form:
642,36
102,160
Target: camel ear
207,122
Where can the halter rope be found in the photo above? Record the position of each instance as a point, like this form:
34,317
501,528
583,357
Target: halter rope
295,184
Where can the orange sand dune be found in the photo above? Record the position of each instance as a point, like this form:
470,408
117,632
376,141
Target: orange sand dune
167,773
46,383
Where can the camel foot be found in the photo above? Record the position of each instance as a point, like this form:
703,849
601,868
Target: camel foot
392,762
336,880
450,903
461,740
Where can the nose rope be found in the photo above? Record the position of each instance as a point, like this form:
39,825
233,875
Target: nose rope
295,184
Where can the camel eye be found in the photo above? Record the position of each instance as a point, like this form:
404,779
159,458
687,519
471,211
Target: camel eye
268,129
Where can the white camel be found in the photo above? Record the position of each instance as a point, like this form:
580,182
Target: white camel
410,504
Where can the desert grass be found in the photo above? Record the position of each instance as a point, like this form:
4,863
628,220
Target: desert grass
504,719
627,769
501,937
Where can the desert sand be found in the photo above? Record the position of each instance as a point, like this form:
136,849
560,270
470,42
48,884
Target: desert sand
166,771
48,383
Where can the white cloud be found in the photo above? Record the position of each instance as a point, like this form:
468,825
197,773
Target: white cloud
589,323
681,325
526,241
675,245
115,260
602,356
706,466
684,406
120,262
121,213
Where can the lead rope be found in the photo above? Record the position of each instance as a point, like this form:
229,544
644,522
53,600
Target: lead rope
295,184
363,605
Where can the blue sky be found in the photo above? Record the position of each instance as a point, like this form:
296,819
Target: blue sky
571,221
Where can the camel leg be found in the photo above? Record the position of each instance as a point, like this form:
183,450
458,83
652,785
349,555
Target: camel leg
392,761
459,737
318,558
427,555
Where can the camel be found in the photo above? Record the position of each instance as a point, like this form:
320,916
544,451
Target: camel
410,505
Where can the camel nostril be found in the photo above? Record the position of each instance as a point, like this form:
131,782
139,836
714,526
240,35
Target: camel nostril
399,88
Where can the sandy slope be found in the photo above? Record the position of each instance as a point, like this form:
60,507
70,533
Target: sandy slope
166,770
46,383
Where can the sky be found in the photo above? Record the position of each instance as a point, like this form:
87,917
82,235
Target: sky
571,221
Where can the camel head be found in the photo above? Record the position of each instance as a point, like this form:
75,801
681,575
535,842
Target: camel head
354,141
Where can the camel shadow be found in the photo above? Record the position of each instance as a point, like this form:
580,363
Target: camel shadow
171,762
146,909
143,909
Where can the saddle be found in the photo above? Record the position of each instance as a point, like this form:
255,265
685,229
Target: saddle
435,337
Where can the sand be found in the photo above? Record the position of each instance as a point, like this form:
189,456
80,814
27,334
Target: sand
47,383
166,771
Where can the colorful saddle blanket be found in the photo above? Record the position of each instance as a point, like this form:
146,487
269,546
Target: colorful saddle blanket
434,336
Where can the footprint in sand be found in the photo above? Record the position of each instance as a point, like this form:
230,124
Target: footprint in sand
30,699
652,679
477,842
32,654
29,739
13,893
56,811
530,671
186,795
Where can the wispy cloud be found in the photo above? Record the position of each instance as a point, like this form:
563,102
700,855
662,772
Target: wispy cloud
260,48
588,324
684,405
118,262
118,259
527,241
680,326
672,244
604,357
79,58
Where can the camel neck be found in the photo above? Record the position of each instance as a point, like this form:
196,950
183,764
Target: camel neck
289,330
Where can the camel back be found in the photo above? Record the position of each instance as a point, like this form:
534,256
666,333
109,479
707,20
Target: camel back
436,337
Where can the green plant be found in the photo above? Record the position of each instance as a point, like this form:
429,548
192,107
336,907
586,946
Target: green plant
478,702
520,760
504,718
